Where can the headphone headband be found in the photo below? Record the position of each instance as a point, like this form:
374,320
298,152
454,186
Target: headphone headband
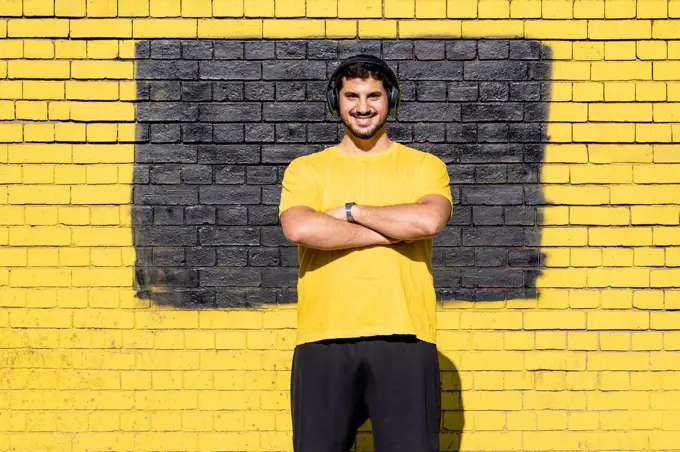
393,94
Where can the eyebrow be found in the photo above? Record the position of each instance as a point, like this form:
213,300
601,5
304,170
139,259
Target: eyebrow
369,94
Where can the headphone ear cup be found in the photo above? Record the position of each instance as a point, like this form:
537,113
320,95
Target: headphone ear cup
394,100
332,100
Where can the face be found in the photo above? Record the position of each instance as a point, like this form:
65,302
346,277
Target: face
363,106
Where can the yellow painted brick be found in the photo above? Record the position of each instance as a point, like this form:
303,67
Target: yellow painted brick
650,91
525,9
572,277
39,133
101,28
101,8
167,28
648,299
599,215
70,49
43,90
521,421
488,28
37,194
588,50
431,9
576,195
259,8
588,9
230,8
667,153
486,341
74,257
657,173
289,8
651,50
37,28
38,69
11,133
12,48
589,173
665,29
133,8
105,216
603,361
604,133
558,9
102,50
432,28
665,70
653,133
106,257
556,29
393,8
652,9
555,174
68,131
624,50
360,8
196,8
614,341
165,8
38,49
620,9
559,50
288,28
667,112
619,29
493,9
584,299
673,50
11,8
341,29
102,69
102,133
618,277
41,277
10,89
619,236
644,194
617,257
621,112
569,112
612,381
621,70
563,400
31,110
666,235
569,236
648,257
12,215
98,236
100,194
551,340
672,257
582,341
571,70
41,215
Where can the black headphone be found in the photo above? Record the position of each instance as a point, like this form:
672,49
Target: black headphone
393,93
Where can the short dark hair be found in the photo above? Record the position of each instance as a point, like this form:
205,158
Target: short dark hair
363,70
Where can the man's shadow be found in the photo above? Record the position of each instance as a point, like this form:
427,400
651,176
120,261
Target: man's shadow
452,419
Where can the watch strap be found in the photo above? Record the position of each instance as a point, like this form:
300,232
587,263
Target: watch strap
348,211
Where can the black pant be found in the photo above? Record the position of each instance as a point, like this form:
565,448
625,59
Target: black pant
337,385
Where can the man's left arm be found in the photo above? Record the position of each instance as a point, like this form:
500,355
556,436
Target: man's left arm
423,219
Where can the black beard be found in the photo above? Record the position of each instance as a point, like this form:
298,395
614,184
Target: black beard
364,135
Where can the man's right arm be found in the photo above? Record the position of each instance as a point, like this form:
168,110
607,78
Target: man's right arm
304,226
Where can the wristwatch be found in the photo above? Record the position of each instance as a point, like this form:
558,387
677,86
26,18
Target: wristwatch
348,211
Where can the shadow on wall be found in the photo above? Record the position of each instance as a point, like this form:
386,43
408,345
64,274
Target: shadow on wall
219,121
452,413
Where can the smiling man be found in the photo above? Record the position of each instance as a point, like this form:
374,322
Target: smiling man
363,214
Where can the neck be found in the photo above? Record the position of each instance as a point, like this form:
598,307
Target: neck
350,144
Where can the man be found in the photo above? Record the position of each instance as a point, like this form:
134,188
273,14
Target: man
363,214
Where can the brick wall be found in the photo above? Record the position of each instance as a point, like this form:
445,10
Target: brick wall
142,145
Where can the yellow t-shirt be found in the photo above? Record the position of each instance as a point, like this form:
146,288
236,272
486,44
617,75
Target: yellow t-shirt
367,291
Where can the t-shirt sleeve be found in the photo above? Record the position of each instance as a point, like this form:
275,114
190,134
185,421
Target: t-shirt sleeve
299,187
433,179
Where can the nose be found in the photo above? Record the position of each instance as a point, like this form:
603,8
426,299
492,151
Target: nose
362,106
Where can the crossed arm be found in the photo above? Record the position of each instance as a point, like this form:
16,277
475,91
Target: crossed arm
384,225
